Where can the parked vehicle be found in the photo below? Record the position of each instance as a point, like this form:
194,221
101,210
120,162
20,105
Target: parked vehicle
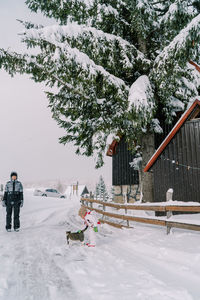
48,193
39,193
54,193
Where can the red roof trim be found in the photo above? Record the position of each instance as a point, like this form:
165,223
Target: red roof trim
171,135
112,148
195,65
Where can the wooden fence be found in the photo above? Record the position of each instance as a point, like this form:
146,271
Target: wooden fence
167,209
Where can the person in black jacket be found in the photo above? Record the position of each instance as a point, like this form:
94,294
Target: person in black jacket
13,200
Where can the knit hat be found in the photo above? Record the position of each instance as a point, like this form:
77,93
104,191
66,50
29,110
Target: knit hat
82,211
13,174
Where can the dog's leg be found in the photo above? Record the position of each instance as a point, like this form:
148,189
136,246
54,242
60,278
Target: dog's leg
67,240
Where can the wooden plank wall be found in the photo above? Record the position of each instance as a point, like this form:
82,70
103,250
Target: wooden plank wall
178,167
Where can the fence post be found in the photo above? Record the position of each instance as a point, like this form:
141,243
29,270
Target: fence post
125,202
169,196
82,201
91,204
104,208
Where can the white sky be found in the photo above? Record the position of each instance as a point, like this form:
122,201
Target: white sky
29,135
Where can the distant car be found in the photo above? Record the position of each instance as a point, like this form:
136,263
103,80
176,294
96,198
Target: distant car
39,193
54,193
49,193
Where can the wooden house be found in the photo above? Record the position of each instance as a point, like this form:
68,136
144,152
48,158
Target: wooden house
176,163
125,179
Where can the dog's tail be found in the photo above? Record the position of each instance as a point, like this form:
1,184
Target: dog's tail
85,229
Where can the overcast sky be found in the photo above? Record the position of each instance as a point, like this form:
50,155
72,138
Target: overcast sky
28,134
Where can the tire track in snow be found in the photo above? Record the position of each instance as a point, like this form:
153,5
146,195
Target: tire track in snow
28,258
35,274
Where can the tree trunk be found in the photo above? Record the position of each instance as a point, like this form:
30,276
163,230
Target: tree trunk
148,150
142,45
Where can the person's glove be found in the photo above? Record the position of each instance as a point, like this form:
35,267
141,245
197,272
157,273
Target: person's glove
22,203
3,204
95,229
79,231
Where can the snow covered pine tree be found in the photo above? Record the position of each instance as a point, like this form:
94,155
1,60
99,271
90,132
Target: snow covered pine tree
101,191
118,65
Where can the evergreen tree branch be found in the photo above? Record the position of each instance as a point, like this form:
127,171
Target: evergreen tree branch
181,49
92,61
15,63
110,16
87,39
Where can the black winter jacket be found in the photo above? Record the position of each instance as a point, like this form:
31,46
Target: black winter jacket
13,192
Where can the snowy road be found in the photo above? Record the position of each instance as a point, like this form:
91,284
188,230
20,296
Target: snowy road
136,264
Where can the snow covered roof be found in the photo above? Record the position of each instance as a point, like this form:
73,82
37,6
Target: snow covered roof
190,113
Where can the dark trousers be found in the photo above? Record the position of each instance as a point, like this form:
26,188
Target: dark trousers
9,209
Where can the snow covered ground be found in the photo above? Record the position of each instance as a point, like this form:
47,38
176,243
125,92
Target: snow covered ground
131,264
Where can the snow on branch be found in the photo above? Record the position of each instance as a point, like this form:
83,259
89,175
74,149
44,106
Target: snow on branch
179,44
141,96
51,34
174,10
88,3
82,33
29,25
84,10
26,64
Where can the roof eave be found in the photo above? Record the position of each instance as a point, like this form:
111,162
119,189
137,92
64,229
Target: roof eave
171,135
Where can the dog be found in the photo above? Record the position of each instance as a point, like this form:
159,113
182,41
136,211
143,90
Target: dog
75,236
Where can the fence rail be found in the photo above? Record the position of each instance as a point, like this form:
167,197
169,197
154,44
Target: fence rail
168,209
